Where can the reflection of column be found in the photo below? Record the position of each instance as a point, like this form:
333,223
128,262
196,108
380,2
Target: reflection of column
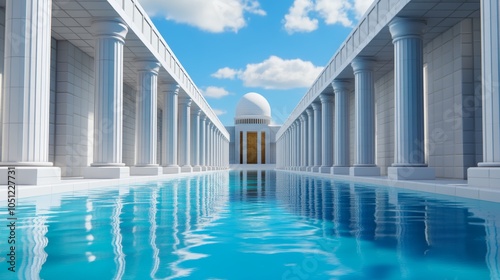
170,129
108,101
487,173
409,152
26,93
310,140
341,151
317,136
146,118
327,102
184,134
364,164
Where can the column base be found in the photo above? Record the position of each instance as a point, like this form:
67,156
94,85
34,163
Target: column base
186,169
146,170
171,169
411,173
325,169
106,172
197,168
31,175
315,169
309,168
484,177
203,168
302,168
364,171
340,170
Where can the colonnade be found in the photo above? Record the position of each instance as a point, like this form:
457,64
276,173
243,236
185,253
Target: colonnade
26,106
327,149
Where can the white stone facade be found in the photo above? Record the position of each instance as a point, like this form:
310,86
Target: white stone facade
445,138
96,100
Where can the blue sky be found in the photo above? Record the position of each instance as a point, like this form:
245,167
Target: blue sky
275,48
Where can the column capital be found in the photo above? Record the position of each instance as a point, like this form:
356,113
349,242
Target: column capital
185,101
326,98
340,85
362,63
204,118
196,111
109,27
401,28
309,111
147,65
316,106
170,88
302,118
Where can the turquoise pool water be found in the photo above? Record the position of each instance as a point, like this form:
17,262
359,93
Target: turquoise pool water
252,225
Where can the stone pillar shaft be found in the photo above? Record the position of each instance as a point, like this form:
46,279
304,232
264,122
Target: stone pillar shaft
490,63
26,91
365,112
185,134
341,147
317,136
409,92
327,103
195,139
310,140
108,101
146,103
203,142
170,125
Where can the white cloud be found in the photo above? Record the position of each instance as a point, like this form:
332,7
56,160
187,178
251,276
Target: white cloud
335,11
219,112
214,92
225,73
209,15
303,15
360,6
298,20
278,73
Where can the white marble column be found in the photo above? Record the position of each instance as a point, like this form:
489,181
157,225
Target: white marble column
244,147
364,164
203,143
211,156
208,151
310,139
409,151
195,139
341,143
293,152
487,174
185,134
26,93
109,39
146,119
303,139
259,147
170,129
217,149
327,103
317,136
298,144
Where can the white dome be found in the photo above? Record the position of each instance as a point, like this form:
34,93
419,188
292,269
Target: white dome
253,105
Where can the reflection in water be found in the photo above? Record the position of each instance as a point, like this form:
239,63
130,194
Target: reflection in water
253,225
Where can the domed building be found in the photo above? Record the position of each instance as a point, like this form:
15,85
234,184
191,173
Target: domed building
253,138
